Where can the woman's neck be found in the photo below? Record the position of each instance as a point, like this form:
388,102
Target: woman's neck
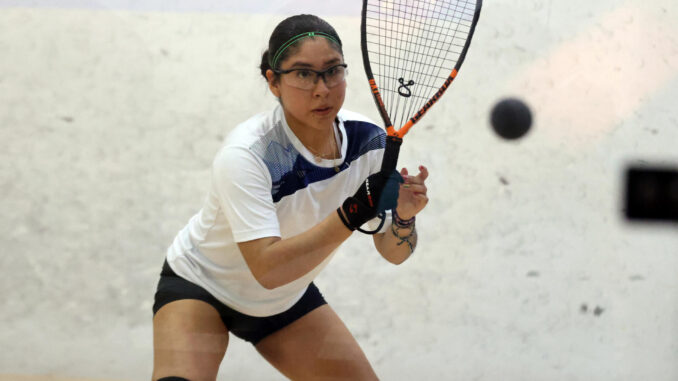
324,146
322,143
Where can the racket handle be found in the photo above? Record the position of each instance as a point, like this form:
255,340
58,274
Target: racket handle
391,152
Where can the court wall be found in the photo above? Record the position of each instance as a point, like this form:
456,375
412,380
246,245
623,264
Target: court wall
111,113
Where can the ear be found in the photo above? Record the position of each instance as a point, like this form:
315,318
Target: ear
273,83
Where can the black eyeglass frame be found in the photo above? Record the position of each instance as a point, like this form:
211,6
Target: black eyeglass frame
318,73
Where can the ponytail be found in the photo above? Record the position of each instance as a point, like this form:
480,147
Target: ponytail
265,64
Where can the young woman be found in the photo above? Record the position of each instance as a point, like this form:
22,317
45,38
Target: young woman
288,187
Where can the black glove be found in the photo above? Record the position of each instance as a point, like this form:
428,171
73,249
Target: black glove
377,194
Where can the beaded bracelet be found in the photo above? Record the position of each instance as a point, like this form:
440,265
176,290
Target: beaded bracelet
399,222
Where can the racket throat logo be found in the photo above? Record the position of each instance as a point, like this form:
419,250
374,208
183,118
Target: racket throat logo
404,89
435,97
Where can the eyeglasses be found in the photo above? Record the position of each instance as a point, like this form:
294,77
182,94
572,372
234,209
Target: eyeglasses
306,79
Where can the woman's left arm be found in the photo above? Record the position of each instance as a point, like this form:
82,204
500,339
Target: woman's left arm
400,239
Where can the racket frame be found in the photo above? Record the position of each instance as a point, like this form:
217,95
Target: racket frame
395,136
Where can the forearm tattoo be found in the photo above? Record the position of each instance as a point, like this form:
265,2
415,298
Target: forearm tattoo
410,239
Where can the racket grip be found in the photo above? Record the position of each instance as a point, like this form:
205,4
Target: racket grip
391,152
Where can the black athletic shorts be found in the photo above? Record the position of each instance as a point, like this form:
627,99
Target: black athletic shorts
172,287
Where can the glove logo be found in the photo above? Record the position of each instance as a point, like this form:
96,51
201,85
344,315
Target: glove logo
353,209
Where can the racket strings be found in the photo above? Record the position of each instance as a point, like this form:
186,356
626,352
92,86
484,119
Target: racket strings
431,74
413,46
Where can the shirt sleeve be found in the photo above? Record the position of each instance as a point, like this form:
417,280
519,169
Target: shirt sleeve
243,187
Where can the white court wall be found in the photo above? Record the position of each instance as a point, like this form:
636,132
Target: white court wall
526,270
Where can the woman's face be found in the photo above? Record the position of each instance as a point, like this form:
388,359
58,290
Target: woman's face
316,108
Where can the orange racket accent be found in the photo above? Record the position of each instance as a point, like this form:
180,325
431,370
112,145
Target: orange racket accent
402,131
375,91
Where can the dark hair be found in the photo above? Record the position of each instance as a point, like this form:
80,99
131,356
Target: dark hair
289,28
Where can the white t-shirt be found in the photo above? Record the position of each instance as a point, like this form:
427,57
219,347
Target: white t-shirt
265,183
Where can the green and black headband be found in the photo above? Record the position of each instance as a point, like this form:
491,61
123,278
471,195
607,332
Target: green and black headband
293,40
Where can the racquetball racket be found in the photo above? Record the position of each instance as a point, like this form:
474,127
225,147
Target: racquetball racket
412,51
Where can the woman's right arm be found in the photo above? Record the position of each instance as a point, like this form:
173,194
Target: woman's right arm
275,262
243,185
